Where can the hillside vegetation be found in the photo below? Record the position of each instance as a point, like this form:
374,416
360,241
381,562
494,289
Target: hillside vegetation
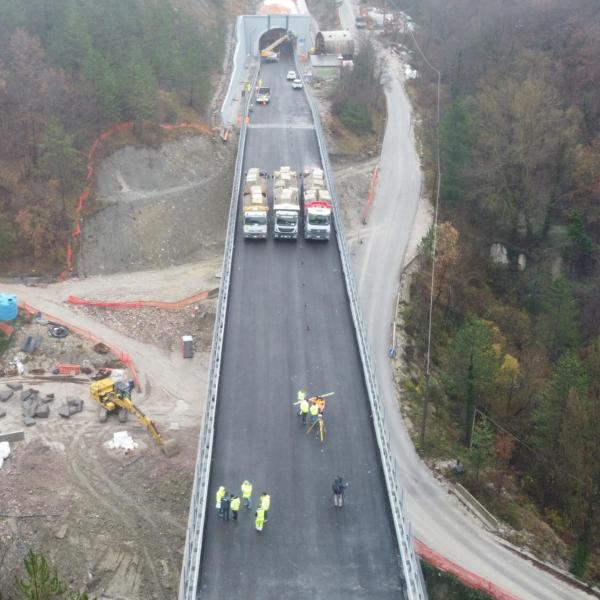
68,70
515,391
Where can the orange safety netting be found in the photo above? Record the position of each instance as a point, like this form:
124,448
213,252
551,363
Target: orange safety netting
467,577
87,190
122,356
176,305
371,194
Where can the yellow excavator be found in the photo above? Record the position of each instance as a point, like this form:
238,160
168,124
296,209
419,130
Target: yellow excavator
269,52
115,397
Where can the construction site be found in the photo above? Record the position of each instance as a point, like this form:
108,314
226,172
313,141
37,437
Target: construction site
112,517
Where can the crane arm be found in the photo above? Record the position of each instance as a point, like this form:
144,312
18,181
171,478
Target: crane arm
284,38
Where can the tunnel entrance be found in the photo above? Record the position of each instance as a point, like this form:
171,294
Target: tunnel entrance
271,36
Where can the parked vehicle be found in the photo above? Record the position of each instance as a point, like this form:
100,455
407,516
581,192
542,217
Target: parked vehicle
291,75
286,204
256,206
297,84
317,205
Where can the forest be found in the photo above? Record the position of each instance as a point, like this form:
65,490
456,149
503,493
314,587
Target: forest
68,70
514,390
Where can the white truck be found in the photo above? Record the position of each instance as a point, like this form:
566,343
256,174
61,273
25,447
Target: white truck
256,206
317,205
286,204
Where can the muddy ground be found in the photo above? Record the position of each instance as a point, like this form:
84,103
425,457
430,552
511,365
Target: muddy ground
163,207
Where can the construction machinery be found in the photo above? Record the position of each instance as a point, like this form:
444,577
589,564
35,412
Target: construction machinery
269,53
256,206
115,397
286,204
317,205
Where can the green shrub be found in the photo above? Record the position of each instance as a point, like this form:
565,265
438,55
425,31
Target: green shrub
355,116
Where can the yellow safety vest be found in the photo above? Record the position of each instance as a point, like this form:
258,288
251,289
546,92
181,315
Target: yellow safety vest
260,516
314,409
304,406
220,494
235,504
265,502
301,395
246,489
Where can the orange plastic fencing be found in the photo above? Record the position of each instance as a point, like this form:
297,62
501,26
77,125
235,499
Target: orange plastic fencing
87,190
370,195
176,305
122,356
467,577
6,329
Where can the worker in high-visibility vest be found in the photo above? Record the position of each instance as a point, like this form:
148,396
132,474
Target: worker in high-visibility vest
265,503
235,507
219,496
303,405
247,493
260,519
314,412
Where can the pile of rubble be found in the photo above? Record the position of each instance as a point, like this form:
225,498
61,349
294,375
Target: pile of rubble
34,406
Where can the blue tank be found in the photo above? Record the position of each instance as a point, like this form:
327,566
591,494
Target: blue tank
8,307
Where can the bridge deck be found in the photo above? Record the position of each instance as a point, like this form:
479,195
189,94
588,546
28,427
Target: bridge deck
289,326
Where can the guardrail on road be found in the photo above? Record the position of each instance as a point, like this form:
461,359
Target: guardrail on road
413,576
195,531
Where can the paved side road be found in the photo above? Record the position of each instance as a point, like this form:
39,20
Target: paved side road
436,517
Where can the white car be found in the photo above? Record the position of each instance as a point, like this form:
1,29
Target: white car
291,75
297,84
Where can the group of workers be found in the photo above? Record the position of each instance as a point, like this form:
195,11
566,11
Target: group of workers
226,502
310,407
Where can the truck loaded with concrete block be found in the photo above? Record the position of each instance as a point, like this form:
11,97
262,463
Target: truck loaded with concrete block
256,206
286,204
317,205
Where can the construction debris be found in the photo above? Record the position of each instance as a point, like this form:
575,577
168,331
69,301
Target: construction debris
5,396
70,407
122,440
30,343
15,386
4,452
13,436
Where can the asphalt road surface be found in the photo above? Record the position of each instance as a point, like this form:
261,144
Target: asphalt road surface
289,327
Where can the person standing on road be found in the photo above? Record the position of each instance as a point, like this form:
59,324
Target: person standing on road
260,519
219,497
225,503
235,507
265,503
247,493
314,412
303,406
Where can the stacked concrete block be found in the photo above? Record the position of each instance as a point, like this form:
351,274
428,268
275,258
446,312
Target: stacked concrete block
6,395
70,407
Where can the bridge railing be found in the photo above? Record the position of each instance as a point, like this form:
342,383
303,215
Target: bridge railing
413,576
195,532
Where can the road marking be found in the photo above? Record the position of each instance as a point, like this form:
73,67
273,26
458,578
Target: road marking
280,126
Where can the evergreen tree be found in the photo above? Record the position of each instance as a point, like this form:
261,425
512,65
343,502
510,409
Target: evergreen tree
568,376
560,322
69,40
472,367
139,88
482,444
455,152
102,84
59,158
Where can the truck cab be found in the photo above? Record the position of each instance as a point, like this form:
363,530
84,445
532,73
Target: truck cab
317,205
263,95
286,204
256,207
317,220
